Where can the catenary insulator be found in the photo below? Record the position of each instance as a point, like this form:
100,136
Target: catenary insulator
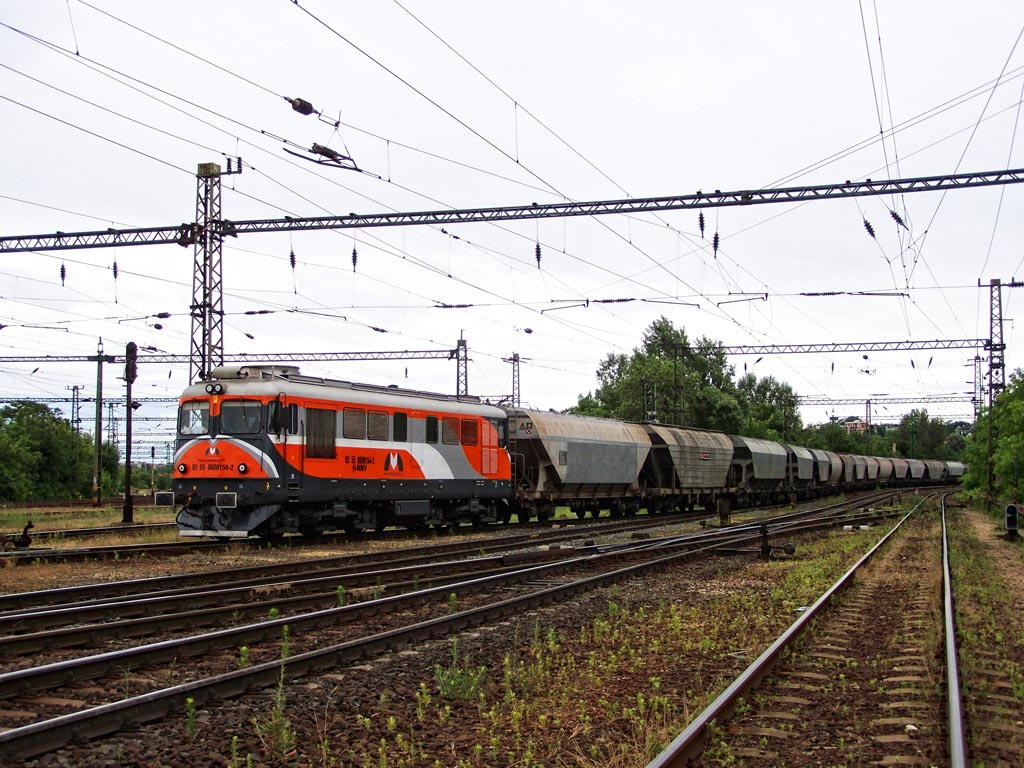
700,222
355,258
302,106
115,270
869,228
538,255
63,274
898,219
714,245
291,258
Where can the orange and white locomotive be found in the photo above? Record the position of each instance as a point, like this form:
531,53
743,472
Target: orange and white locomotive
264,450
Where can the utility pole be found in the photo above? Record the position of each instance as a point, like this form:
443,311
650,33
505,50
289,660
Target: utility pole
462,369
76,408
996,371
100,358
207,276
515,377
650,402
978,398
131,352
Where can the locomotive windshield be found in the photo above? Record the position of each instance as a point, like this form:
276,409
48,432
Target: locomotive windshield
240,417
194,418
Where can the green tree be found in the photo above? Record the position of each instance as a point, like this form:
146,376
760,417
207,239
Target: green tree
770,408
1007,446
829,437
921,437
686,382
43,457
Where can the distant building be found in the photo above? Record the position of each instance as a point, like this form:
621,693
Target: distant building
856,426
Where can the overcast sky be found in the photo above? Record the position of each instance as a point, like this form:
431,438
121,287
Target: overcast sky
107,108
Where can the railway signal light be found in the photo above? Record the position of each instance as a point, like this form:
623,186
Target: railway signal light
131,356
1012,516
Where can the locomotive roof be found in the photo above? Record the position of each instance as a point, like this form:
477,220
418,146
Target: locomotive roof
286,379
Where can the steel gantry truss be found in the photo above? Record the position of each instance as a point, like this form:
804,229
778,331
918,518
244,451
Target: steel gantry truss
966,398
460,354
859,346
188,234
207,232
273,357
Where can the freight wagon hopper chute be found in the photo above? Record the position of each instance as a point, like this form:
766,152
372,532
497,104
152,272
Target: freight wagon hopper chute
900,471
954,471
885,471
801,468
582,462
935,471
758,470
917,468
860,470
686,467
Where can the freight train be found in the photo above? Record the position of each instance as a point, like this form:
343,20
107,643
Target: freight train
263,450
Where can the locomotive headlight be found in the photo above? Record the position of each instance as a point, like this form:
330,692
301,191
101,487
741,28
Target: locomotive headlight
243,468
181,468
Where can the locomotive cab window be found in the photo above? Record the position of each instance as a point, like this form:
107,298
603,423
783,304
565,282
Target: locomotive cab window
194,418
401,427
354,427
470,433
321,431
450,430
377,425
240,417
431,429
281,418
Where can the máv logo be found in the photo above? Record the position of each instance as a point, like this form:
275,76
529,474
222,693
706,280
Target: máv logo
393,462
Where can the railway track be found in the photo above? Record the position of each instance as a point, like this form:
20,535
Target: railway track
862,685
37,554
371,627
60,553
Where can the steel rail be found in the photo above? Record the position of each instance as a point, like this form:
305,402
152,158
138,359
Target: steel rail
151,606
113,551
957,729
82,633
105,719
688,745
262,574
45,736
496,570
